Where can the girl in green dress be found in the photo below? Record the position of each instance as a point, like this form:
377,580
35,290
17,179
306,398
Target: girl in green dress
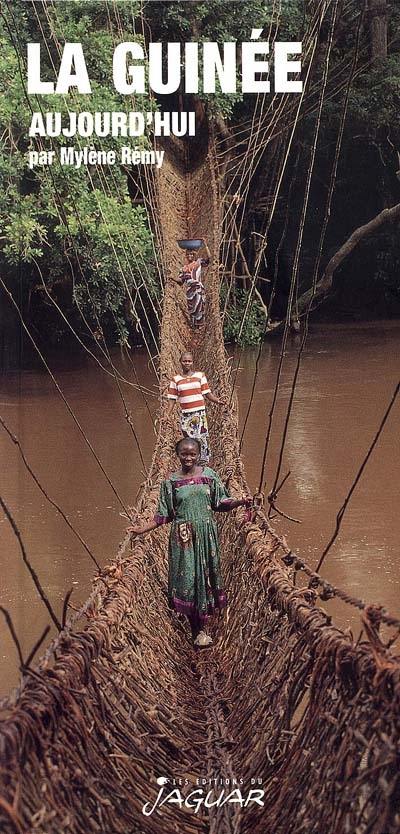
187,500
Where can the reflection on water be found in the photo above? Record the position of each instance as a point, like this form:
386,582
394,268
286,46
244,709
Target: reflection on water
66,468
346,380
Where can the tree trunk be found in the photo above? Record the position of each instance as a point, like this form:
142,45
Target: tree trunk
324,285
378,29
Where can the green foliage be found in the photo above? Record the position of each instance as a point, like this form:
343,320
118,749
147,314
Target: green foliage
375,90
214,20
375,99
254,326
119,258
25,237
221,21
77,226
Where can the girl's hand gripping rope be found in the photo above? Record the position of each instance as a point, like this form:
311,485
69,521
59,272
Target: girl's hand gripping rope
256,502
133,530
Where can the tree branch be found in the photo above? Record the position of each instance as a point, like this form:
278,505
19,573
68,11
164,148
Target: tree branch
324,285
248,273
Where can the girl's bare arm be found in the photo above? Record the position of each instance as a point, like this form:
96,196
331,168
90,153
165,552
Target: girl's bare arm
208,253
138,529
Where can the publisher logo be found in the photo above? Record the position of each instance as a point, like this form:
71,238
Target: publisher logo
205,793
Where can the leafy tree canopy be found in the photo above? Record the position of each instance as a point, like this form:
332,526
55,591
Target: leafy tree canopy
74,227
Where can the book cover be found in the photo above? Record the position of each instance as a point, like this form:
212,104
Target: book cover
199,313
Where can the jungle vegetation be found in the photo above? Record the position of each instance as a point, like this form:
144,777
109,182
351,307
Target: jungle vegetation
77,247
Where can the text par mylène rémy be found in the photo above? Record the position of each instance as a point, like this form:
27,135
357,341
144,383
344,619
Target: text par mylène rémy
171,66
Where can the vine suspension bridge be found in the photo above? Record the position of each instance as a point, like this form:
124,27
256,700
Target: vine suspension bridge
117,701
120,698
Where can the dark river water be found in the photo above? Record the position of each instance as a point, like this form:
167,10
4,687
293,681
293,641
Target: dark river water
348,375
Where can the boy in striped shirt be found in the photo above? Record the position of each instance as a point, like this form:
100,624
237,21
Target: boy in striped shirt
191,389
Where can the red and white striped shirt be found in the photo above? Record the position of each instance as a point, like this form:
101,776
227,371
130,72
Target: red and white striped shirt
189,391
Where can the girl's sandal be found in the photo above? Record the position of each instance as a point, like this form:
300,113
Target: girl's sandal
202,640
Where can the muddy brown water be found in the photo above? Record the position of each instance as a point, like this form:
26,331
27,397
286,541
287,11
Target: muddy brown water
347,377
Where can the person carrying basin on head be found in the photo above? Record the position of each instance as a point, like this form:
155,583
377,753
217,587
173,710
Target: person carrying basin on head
191,390
191,277
187,500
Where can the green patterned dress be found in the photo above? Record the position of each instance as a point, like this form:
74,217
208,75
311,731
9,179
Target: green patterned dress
194,579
